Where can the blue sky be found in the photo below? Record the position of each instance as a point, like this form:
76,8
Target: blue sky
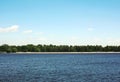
67,22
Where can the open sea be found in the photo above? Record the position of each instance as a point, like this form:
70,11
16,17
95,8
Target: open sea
60,67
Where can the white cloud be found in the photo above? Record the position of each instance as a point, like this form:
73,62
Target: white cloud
27,31
38,33
74,38
90,29
113,41
42,39
12,28
34,40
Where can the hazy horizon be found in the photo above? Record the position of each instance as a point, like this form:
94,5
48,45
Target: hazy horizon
60,22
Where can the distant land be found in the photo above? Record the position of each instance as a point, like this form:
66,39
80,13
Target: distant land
67,53
44,49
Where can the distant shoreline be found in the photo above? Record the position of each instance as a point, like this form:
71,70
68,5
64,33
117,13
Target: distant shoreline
64,52
61,53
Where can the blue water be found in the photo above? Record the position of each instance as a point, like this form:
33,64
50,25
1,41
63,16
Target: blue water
60,68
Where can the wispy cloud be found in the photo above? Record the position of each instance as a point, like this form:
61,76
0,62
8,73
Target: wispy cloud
90,29
39,33
27,31
12,28
42,39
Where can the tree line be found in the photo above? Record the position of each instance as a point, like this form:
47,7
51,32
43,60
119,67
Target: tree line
58,48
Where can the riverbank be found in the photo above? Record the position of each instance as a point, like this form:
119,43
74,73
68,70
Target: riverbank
61,53
65,52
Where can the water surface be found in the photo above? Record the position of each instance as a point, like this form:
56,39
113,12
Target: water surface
60,68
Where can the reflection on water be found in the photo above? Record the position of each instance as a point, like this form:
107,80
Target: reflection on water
60,68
